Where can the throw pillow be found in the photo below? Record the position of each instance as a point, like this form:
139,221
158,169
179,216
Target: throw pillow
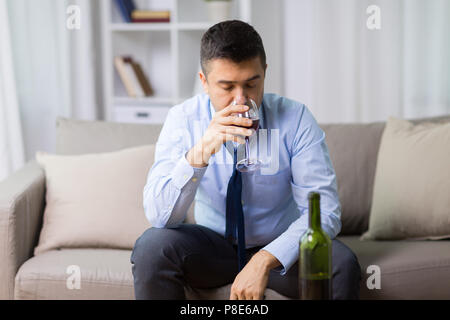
411,197
94,200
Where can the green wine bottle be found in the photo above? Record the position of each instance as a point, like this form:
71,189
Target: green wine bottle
315,257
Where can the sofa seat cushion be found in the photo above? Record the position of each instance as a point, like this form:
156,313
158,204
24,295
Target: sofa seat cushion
409,269
105,274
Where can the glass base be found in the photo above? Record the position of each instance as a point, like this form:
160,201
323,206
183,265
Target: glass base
248,165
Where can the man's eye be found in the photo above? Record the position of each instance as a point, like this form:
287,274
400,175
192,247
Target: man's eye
228,88
250,86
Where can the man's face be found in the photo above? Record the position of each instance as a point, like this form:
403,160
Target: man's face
227,81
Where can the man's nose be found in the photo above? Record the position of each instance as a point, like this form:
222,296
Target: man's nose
240,99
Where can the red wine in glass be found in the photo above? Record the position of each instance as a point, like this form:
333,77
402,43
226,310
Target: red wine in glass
247,164
254,126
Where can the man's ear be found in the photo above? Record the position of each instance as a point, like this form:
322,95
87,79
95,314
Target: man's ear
204,81
265,69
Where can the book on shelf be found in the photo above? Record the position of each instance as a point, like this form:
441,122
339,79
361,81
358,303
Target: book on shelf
125,7
132,76
150,20
140,76
139,92
131,6
130,13
148,90
150,14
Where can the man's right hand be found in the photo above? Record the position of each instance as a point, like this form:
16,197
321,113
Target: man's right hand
223,127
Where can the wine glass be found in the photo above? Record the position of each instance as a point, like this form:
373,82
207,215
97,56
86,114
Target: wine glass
247,164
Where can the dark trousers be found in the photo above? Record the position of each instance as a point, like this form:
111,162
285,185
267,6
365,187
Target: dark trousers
164,261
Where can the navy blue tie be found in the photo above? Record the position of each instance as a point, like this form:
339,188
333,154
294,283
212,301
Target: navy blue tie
235,213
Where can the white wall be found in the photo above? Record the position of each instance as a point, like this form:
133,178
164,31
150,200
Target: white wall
37,72
345,72
297,56
267,19
54,67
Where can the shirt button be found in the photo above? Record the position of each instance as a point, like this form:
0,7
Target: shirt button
194,179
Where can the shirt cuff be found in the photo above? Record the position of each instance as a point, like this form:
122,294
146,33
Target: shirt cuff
286,251
184,172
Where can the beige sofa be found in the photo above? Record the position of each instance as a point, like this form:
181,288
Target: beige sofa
409,269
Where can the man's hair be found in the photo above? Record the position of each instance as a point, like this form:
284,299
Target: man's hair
232,39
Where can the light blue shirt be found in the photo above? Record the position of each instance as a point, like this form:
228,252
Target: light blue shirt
295,161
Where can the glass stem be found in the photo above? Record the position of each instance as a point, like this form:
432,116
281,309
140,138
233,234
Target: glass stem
247,153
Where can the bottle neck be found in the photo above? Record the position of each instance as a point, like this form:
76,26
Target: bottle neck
314,213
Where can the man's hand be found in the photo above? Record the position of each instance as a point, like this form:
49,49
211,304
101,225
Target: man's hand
223,127
251,282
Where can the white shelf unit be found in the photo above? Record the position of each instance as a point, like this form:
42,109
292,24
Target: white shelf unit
168,53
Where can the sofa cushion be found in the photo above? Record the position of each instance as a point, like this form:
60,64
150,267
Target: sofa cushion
412,182
409,269
94,200
353,151
105,274
80,137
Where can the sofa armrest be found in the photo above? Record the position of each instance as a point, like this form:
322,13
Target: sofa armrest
22,201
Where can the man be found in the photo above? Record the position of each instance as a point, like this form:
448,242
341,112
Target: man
189,162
